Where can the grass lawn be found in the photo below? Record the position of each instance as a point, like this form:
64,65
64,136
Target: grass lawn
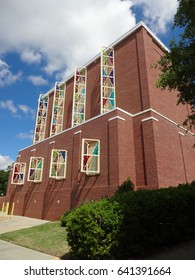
49,238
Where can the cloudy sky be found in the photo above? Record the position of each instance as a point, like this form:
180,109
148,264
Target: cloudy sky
41,41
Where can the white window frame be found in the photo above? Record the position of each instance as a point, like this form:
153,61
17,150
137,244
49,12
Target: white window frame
79,97
36,169
41,119
106,88
56,125
86,153
58,163
21,172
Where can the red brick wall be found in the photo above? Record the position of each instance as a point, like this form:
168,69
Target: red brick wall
162,101
50,198
152,153
174,154
49,115
68,104
134,80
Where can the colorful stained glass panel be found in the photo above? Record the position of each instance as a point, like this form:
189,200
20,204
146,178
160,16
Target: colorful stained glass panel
90,161
107,80
18,174
35,169
58,109
79,96
39,134
58,164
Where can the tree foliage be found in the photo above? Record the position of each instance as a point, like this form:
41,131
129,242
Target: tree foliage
4,176
178,65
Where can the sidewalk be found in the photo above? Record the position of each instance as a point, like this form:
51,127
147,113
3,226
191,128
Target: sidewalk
18,222
9,251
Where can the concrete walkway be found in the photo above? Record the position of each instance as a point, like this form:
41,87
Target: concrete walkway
18,222
9,251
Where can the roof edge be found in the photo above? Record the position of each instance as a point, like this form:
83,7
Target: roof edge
116,42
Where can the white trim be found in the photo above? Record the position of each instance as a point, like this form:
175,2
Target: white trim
103,115
142,112
52,142
149,118
117,117
96,117
176,124
77,132
181,133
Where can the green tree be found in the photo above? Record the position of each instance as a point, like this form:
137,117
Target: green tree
178,64
4,176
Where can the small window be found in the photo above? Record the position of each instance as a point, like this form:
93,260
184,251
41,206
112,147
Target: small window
18,174
58,164
90,161
35,169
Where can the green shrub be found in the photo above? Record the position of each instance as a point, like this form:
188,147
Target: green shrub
92,230
125,187
132,224
64,217
155,219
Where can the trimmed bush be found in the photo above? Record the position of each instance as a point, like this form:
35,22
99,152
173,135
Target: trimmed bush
92,230
132,224
63,218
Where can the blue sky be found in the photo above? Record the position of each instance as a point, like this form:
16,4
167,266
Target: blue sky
42,40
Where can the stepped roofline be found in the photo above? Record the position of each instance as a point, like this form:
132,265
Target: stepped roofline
116,42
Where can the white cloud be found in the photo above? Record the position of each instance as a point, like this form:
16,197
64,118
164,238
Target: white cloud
157,13
37,80
27,110
25,135
31,56
61,33
5,161
6,76
8,105
16,110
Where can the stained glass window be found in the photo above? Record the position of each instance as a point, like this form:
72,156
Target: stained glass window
58,164
18,174
107,80
39,134
35,169
90,156
79,97
58,109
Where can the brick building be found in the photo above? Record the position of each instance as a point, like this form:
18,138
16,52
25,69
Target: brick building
103,124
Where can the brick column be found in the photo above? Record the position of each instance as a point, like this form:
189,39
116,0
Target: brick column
117,151
150,152
76,166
